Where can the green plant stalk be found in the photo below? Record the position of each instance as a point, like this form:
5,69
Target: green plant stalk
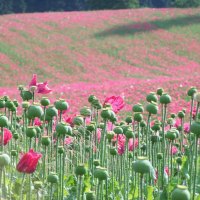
102,145
44,164
148,135
141,186
22,187
83,152
63,170
30,193
138,138
79,188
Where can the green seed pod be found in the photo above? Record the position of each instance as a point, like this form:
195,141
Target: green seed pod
170,121
13,153
61,149
125,128
195,128
31,131
159,91
25,104
181,114
91,126
191,91
142,165
15,135
171,134
96,163
26,95
138,117
113,117
197,97
101,173
165,98
113,151
38,185
15,103
2,103
130,155
138,108
128,120
110,135
90,196
179,160
51,111
78,120
155,138
63,129
34,111
118,130
52,178
44,101
159,156
91,98
129,133
9,104
80,170
157,126
4,160
181,193
143,124
152,108
151,97
106,113
46,140
85,112
61,105
3,121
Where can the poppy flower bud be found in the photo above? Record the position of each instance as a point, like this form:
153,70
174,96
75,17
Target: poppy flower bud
129,120
152,108
13,153
179,160
90,196
2,103
129,133
142,165
96,104
157,126
138,117
51,111
63,129
118,130
52,178
34,111
46,140
38,185
143,124
25,104
159,91
61,149
106,113
151,97
26,95
159,156
197,97
138,108
101,173
9,104
91,98
85,112
78,120
31,131
181,114
130,155
3,121
80,170
113,117
191,91
143,147
173,115
44,101
20,87
96,163
195,128
4,160
113,151
181,193
165,98
61,105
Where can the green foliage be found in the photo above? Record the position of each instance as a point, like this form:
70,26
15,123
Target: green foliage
185,3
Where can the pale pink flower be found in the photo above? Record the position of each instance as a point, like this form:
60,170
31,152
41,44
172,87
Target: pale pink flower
68,140
174,150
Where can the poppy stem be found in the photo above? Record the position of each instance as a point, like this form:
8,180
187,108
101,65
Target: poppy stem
22,189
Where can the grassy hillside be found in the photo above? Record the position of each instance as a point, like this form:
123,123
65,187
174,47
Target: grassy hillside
124,52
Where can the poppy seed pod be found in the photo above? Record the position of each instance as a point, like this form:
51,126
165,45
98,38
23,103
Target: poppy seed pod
31,131
159,156
138,117
78,120
143,124
171,134
4,160
106,113
159,91
91,126
80,170
9,104
179,160
46,140
13,153
170,121
142,165
38,185
195,128
90,196
155,138
152,108
25,104
129,133
181,193
152,97
15,135
52,178
91,98
156,126
110,135
34,111
45,101
15,103
26,95
173,115
61,105
113,117
165,99
3,121
128,120
51,111
85,112
61,149
101,173
63,129
2,103
181,114
113,151
118,130
197,97
191,91
138,108
96,162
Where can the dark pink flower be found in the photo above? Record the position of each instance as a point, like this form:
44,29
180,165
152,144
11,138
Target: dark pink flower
174,150
43,88
37,122
130,144
33,81
7,136
116,102
28,162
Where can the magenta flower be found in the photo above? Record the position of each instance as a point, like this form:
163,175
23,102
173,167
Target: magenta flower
7,136
33,81
132,146
37,122
116,102
174,150
43,88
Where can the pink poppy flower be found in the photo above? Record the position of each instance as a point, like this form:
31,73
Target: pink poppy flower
68,140
37,122
33,81
130,144
7,136
116,102
43,88
174,150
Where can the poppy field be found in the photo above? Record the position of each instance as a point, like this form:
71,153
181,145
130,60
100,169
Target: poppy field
100,105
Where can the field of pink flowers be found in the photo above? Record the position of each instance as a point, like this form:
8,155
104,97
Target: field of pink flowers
125,52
